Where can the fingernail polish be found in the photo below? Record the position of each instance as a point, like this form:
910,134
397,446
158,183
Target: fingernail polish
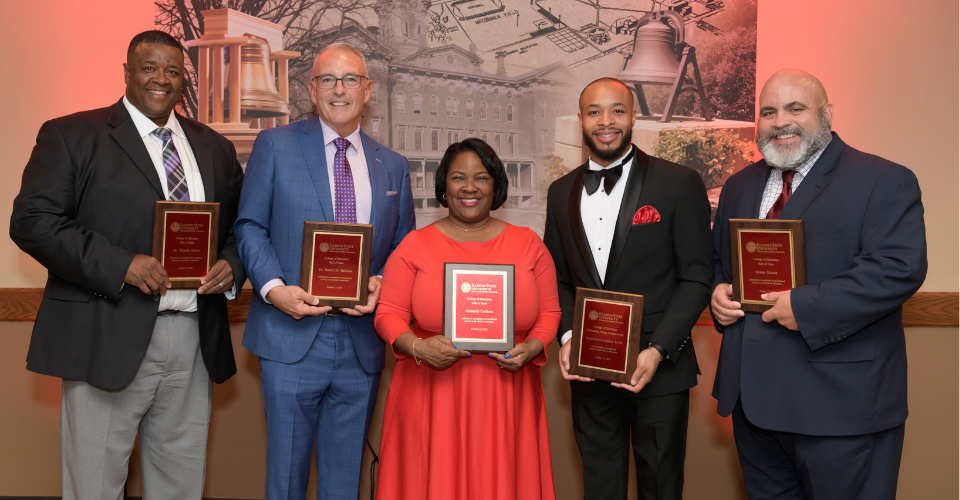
489,354
506,356
469,354
454,346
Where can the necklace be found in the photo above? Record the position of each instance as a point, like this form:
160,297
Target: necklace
471,229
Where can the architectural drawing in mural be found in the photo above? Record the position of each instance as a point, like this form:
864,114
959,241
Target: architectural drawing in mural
506,71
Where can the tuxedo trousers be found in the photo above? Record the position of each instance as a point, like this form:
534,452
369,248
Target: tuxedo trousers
607,420
167,403
788,466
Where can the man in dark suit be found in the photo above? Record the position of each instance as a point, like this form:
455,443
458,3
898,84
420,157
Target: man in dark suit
134,355
628,222
319,367
817,385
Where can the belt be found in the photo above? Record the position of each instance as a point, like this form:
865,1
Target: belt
335,312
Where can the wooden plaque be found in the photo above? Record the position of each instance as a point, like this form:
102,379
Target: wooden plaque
765,256
185,240
606,334
478,306
335,266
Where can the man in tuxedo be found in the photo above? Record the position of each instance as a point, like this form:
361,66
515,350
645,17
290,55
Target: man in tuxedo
134,355
319,367
817,384
628,222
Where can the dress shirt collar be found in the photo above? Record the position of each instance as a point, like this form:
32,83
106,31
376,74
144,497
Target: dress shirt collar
329,135
145,126
592,165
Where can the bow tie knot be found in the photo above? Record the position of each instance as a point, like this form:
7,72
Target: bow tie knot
609,176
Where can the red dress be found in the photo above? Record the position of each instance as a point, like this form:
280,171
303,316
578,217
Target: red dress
472,431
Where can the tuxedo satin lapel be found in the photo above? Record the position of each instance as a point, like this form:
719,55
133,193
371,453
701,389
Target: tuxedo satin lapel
315,156
628,206
203,153
378,181
576,225
817,178
128,137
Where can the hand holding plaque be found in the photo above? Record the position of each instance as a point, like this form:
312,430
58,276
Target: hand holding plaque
606,335
185,240
335,266
766,255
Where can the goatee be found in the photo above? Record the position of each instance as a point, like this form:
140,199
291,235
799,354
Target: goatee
792,157
610,154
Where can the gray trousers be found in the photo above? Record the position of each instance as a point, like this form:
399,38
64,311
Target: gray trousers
168,403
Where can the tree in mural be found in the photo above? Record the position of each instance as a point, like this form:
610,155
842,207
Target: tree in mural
711,152
306,21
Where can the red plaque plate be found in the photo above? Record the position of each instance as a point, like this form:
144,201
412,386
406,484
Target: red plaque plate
606,339
766,256
336,262
478,306
185,240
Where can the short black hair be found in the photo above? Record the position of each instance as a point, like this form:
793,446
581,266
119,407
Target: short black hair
489,159
155,37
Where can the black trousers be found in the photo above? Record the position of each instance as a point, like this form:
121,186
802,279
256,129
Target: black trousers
789,466
607,420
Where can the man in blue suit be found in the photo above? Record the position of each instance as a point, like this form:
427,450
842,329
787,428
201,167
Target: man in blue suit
817,385
319,368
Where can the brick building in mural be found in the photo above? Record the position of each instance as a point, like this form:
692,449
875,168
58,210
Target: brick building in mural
425,98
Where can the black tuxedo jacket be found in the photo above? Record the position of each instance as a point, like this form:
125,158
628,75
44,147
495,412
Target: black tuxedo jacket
84,210
668,262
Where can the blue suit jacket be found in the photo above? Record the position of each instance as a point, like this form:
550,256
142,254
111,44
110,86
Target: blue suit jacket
286,183
845,372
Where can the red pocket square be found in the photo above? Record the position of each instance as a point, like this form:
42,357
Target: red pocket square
646,214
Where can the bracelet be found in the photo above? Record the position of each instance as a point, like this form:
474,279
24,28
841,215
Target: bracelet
414,349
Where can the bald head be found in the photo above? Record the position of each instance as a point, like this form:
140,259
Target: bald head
796,79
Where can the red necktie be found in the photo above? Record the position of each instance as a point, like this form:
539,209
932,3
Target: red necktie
784,194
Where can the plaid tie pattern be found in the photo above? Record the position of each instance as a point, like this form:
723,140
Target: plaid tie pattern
176,179
345,209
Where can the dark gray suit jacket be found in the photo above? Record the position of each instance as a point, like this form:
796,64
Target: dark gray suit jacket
84,210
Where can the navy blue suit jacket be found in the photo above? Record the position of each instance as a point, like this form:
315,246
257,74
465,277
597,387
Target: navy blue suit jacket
286,184
845,372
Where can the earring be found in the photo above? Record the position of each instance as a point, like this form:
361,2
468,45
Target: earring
444,196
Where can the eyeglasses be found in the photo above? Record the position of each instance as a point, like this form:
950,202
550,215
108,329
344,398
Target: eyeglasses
327,82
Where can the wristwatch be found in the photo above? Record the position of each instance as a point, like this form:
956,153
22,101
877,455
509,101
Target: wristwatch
663,352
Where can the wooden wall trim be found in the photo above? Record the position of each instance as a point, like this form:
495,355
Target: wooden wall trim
925,309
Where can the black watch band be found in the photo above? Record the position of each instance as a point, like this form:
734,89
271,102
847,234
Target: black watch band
663,352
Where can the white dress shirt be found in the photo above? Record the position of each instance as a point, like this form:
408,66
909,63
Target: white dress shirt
174,300
599,212
362,191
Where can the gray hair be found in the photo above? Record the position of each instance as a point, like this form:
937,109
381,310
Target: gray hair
346,47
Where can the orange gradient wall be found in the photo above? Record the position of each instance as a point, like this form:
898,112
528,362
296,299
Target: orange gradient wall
890,69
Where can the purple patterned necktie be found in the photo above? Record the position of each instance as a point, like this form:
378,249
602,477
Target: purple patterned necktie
176,179
345,209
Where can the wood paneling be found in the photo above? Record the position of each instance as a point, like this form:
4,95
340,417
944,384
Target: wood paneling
925,309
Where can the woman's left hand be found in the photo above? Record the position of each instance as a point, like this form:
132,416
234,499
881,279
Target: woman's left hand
520,355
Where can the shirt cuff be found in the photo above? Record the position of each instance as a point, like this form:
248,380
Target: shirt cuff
270,285
231,294
566,337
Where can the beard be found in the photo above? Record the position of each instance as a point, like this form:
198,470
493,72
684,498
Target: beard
626,141
792,157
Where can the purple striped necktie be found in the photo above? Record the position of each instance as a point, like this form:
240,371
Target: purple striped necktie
176,179
345,209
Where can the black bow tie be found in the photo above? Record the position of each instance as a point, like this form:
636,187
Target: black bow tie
609,175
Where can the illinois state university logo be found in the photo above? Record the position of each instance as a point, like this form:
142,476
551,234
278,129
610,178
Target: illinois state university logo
175,227
751,247
465,287
324,247
593,315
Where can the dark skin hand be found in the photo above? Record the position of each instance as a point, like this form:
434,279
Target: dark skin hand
218,280
520,355
146,273
437,351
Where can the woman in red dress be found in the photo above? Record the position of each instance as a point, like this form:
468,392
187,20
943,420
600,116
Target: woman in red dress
457,425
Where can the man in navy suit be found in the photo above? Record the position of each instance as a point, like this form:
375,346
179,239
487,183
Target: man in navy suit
319,368
817,385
